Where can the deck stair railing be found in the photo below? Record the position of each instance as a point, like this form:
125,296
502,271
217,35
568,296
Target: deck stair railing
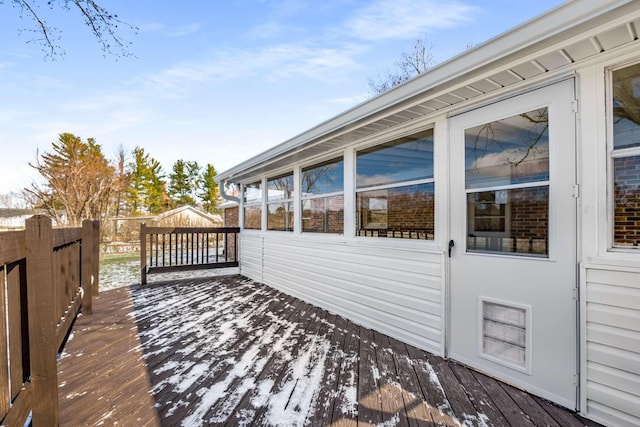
171,249
48,275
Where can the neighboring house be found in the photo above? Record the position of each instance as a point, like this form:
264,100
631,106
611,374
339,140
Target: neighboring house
13,219
487,210
230,213
127,229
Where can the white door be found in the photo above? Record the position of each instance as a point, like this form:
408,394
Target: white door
513,230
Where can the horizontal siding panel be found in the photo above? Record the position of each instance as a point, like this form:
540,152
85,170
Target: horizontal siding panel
612,370
613,277
627,403
617,296
613,316
357,275
610,416
387,261
251,257
614,378
614,337
384,299
614,357
342,292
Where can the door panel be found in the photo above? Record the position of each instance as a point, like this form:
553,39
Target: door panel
513,221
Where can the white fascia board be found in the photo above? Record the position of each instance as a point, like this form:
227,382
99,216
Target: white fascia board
547,27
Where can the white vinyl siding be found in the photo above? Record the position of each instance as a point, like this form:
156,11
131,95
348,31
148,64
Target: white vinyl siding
612,359
394,290
251,256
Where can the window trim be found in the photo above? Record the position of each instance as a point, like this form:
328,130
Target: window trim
303,198
282,201
612,154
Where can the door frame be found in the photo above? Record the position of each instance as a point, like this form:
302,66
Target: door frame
450,201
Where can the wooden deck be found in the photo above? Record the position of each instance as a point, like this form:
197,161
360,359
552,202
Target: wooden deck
229,351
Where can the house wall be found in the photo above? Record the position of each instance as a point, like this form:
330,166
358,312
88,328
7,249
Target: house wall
609,277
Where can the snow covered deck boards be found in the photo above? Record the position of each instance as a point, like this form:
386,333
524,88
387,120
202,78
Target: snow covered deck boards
229,351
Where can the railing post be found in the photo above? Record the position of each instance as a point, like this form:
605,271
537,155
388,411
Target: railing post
143,253
42,321
95,256
86,266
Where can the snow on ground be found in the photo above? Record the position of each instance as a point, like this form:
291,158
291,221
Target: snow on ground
228,351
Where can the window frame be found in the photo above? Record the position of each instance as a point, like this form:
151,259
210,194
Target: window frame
252,204
325,196
285,200
612,155
394,185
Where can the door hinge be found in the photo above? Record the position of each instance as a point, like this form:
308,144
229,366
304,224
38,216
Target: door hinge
576,191
574,106
576,294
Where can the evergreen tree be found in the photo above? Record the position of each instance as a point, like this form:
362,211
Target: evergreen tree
146,192
209,193
180,184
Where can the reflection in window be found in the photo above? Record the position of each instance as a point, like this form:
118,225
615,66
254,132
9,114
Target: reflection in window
395,189
280,203
252,205
323,197
507,184
626,156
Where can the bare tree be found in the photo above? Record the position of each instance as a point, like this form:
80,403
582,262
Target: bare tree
410,64
104,25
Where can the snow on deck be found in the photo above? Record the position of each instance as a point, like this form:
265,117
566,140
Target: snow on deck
229,351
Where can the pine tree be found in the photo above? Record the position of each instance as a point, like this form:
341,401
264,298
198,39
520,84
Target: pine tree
146,192
180,184
209,193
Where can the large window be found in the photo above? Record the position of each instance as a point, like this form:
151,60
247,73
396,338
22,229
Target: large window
280,203
395,189
626,156
507,184
323,197
252,202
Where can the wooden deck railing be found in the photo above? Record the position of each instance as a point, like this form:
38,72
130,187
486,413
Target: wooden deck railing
170,249
47,276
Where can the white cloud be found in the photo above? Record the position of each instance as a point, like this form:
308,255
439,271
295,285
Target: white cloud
271,62
394,19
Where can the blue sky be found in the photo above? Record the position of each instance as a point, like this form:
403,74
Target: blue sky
217,81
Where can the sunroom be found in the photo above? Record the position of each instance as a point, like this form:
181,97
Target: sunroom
486,210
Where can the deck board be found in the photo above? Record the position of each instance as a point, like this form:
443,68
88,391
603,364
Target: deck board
229,351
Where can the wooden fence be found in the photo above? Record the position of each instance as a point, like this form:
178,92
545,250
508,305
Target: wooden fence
170,249
48,275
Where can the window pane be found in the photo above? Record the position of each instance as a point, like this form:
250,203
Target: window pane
253,192
509,151
626,107
280,216
327,177
626,183
404,212
406,159
513,221
280,188
253,217
323,215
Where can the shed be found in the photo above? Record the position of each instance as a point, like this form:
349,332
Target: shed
487,210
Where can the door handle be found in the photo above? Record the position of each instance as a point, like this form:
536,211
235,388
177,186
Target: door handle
451,245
